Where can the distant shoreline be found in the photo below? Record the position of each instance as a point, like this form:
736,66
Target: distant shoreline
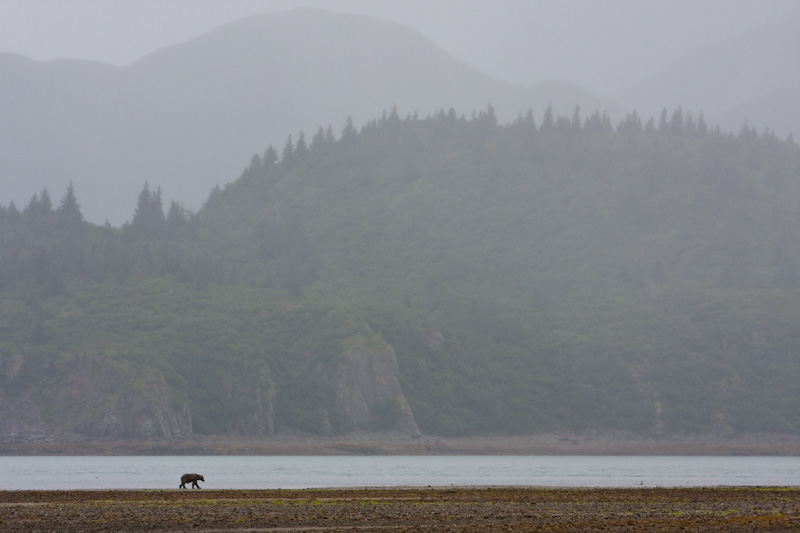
588,443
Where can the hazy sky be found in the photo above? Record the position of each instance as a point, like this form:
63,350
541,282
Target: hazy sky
600,44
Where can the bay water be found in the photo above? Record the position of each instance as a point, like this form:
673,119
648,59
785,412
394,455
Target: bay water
297,472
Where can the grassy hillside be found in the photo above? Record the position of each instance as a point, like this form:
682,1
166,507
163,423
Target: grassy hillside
527,277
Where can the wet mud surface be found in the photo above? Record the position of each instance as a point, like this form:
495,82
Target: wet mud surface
405,509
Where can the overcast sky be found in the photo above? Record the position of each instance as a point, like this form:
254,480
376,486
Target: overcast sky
601,45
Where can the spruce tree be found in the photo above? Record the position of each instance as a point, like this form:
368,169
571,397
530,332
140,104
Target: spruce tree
287,156
270,156
69,210
548,121
330,138
349,132
148,217
176,216
45,205
301,148
576,119
318,139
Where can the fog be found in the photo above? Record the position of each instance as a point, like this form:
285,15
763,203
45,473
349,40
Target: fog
601,46
120,120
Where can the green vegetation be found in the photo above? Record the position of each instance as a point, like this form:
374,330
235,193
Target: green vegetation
529,278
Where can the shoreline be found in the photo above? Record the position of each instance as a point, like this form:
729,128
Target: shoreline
587,443
489,509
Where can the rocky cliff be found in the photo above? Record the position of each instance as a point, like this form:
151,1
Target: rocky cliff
87,395
367,387
252,402
95,396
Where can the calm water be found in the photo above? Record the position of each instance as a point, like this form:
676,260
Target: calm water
265,472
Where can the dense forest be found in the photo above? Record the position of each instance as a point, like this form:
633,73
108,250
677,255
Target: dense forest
565,273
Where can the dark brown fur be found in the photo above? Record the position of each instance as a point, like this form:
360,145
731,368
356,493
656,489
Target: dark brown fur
194,478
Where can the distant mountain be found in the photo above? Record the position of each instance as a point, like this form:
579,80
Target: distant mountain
779,112
186,118
733,81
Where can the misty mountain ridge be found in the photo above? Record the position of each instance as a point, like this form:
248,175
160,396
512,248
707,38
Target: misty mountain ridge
185,117
754,78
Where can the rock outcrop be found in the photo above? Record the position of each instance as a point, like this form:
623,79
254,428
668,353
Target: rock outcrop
352,384
87,395
367,386
253,403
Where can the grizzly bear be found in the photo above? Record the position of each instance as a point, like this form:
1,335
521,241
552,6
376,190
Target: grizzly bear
194,478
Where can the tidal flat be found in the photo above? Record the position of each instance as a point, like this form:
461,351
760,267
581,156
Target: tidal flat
444,509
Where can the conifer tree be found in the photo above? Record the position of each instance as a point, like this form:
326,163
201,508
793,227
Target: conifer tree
270,156
329,136
594,123
676,125
255,166
318,139
491,116
301,148
349,132
530,121
176,216
287,155
33,205
548,121
69,210
45,205
632,124
576,118
702,127
12,211
149,214
689,125
213,196
663,125
39,204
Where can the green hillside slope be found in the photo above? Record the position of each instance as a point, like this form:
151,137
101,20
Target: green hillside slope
441,275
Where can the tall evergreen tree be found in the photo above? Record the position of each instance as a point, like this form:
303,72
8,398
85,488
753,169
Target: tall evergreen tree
32,209
270,156
176,216
530,121
45,204
149,214
69,210
330,138
287,156
548,121
318,139
702,127
663,123
676,125
301,148
576,118
348,132
39,205
12,212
